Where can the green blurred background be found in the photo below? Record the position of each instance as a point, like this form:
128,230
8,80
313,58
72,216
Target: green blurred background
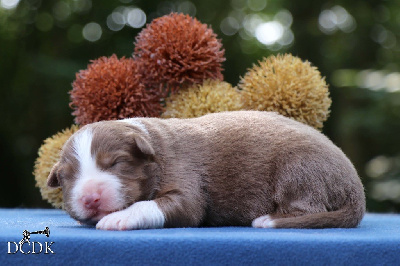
355,44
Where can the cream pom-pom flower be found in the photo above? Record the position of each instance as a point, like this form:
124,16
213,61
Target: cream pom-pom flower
211,96
49,154
289,86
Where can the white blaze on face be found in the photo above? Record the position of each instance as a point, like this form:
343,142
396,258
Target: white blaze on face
93,181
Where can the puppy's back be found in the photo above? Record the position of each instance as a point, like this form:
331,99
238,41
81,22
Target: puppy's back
253,164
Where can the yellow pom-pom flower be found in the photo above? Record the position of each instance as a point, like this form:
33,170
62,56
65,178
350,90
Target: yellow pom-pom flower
289,86
49,154
210,97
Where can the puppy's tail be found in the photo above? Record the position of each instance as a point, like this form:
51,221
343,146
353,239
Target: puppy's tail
349,216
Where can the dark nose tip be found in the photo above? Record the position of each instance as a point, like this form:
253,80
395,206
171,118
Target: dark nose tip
91,201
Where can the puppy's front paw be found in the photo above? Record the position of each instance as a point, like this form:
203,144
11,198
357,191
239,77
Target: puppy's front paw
116,221
141,215
263,222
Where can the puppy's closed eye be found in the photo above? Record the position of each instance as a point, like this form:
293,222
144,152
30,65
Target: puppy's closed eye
121,160
106,161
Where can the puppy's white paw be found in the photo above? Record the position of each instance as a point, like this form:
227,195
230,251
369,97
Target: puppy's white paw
263,222
141,215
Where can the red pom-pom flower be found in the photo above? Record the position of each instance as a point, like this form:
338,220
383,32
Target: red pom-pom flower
177,50
112,88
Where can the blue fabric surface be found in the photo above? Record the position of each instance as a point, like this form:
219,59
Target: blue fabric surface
375,242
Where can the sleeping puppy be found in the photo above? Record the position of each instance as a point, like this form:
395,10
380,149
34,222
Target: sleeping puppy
225,169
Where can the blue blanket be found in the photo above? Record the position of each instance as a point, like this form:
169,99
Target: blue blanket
375,242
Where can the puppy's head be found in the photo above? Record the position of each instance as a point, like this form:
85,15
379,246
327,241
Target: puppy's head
104,167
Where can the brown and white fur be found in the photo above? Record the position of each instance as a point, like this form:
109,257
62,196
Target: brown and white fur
226,169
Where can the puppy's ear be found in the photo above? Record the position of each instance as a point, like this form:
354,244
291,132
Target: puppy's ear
143,146
52,180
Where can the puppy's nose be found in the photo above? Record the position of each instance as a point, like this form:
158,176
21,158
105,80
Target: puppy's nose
91,201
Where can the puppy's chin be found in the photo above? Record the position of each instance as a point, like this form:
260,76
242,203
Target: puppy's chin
93,217
90,215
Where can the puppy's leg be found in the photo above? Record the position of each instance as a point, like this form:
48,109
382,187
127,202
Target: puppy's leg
348,216
140,215
171,210
182,210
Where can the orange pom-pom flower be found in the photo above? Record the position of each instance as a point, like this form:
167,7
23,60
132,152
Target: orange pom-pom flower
112,88
177,50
